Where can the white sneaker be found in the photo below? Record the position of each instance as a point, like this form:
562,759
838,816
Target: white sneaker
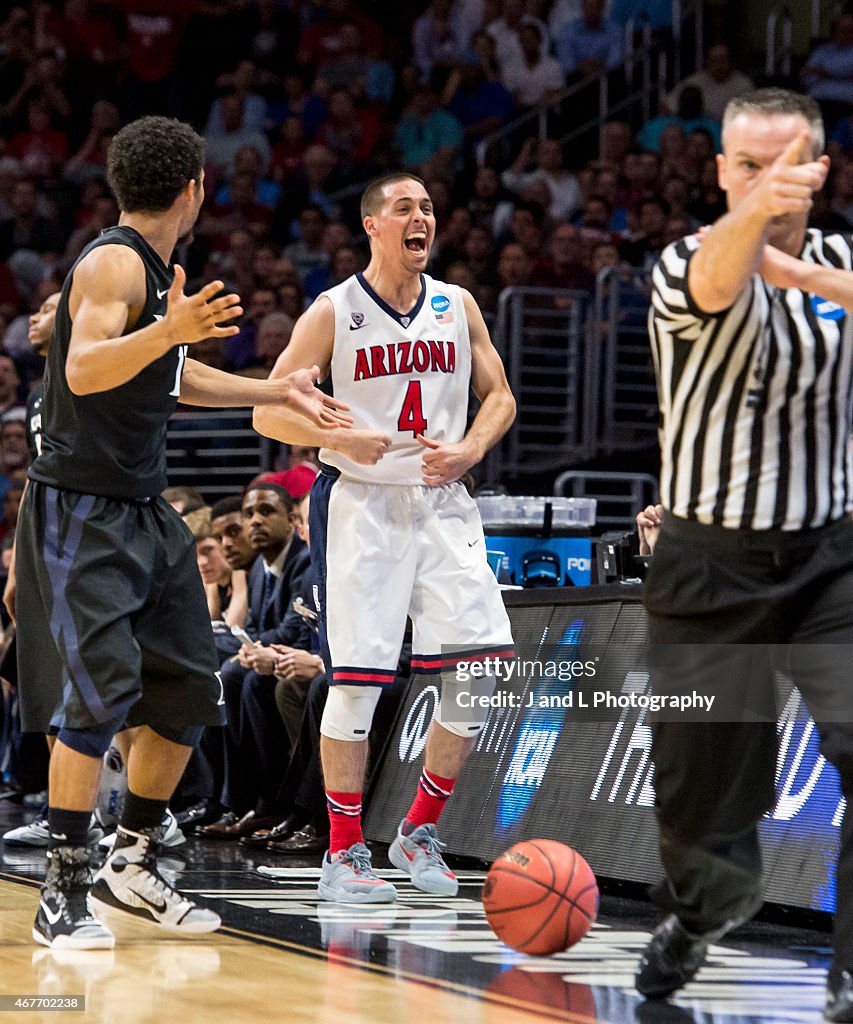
171,834
37,833
130,886
348,877
419,855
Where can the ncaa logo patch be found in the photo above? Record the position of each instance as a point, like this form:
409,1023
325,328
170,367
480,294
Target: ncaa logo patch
441,307
826,309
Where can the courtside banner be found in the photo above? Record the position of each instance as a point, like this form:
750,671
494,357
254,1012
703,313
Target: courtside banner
565,753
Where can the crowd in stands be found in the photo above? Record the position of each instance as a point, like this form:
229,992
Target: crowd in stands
301,102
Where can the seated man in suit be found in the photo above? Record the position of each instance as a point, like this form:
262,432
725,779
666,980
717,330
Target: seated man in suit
255,740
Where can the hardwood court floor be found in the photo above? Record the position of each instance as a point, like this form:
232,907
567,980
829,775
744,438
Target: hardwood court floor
282,956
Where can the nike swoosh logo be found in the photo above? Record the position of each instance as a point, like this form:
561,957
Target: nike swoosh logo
352,327
471,543
161,294
159,907
52,916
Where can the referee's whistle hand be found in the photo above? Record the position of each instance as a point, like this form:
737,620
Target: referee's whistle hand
792,179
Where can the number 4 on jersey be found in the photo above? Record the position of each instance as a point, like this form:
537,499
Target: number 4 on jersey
412,414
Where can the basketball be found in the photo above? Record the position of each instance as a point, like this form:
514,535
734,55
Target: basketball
540,897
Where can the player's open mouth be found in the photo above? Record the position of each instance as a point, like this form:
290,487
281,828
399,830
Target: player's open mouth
416,241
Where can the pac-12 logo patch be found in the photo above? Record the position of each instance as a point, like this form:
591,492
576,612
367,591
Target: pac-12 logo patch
357,320
441,308
826,309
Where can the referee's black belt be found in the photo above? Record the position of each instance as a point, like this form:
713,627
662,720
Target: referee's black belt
693,532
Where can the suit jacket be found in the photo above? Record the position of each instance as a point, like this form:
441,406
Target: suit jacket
294,630
262,626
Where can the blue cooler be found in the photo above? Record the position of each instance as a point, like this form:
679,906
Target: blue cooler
539,542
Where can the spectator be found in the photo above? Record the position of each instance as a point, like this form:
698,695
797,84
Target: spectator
688,117
491,208
9,384
288,152
616,141
507,32
42,149
41,82
656,13
565,194
566,268
27,228
436,42
271,32
711,202
249,160
90,160
273,335
291,299
480,106
350,133
842,193
719,81
308,253
514,266
231,530
321,43
312,185
828,74
610,184
226,588
221,220
345,262
590,45
449,245
183,499
105,214
11,504
255,741
240,82
643,248
223,145
536,78
14,450
427,133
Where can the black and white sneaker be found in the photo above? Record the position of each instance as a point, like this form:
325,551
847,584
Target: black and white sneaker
64,920
130,886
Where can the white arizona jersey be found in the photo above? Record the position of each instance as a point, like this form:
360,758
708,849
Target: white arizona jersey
401,374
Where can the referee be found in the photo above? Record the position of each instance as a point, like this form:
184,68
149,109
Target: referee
753,352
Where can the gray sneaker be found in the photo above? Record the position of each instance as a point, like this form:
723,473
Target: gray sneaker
419,855
349,878
37,834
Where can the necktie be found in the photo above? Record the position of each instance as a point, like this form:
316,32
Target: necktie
266,596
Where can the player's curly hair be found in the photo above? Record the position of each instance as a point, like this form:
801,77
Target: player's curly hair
151,160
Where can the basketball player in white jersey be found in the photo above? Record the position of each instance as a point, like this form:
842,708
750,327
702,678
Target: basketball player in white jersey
393,531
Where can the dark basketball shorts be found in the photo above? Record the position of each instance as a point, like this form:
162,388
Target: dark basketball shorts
113,625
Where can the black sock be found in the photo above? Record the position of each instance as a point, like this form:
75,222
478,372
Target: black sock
141,813
67,828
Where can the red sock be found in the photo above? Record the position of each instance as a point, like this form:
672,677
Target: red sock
430,799
344,820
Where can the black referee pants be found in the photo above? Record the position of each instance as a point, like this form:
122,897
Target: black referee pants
725,609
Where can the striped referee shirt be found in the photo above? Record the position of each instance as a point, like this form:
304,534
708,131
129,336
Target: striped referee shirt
754,400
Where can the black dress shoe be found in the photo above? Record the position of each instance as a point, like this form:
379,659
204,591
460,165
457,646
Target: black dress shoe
237,827
305,840
203,813
839,996
673,957
228,818
259,839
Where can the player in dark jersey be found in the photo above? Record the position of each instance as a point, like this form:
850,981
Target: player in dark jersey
109,599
